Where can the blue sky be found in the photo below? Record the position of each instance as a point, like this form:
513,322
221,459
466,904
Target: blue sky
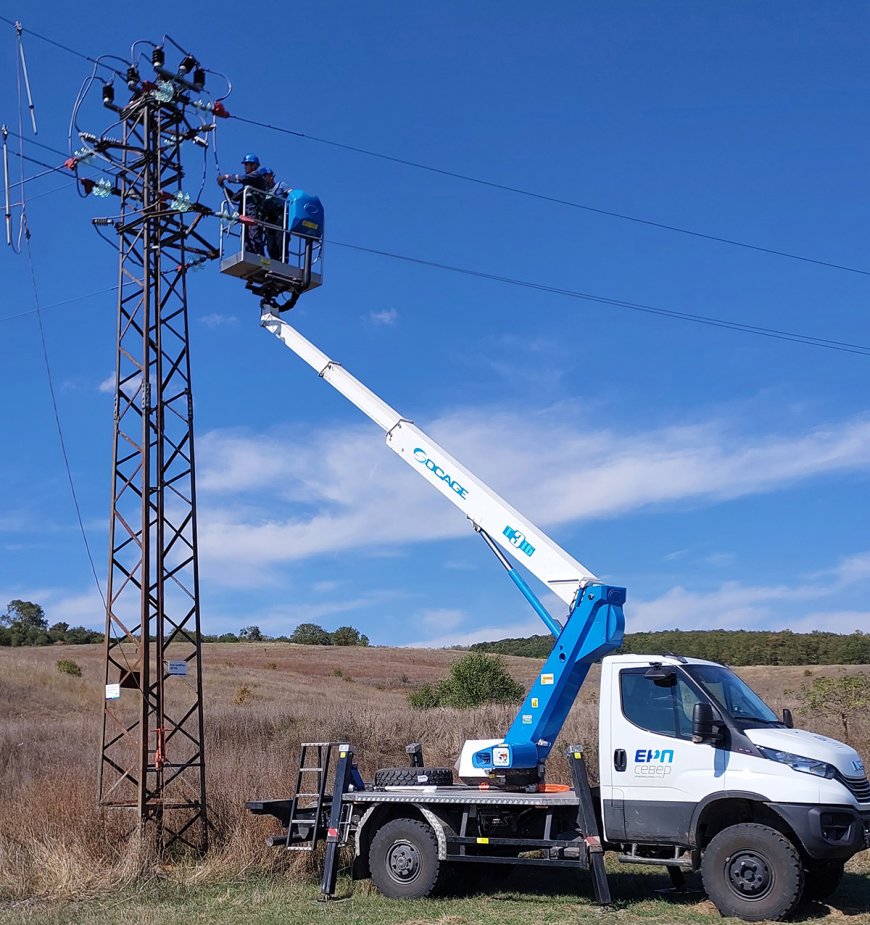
721,477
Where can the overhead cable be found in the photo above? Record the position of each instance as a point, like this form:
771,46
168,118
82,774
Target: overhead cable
808,340
555,199
42,308
66,462
504,187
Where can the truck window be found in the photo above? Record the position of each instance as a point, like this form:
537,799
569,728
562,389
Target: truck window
732,693
662,706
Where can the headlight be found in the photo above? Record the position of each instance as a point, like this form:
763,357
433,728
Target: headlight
799,763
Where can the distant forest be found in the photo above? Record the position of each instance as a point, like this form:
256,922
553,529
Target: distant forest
733,647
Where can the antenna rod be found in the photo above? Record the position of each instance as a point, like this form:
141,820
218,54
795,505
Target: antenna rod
19,29
5,133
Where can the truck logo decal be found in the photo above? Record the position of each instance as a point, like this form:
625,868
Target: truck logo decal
858,766
518,539
653,762
438,472
665,756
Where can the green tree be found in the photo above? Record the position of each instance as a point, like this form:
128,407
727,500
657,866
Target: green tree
27,624
251,634
57,632
474,679
310,634
348,636
840,698
81,635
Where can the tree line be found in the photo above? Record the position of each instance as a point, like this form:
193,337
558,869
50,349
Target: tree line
734,647
306,634
25,624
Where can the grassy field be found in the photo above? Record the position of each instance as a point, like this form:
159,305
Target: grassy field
61,862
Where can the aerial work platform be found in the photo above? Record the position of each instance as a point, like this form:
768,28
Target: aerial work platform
277,261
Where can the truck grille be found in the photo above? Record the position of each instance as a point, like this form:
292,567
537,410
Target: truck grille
859,788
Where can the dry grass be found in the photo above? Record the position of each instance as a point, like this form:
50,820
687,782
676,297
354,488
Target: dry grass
261,702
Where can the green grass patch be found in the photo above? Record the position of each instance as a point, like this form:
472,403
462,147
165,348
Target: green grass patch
533,898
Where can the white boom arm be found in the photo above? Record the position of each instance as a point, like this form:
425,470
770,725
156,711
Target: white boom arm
518,536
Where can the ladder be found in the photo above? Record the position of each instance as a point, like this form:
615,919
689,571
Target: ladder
304,825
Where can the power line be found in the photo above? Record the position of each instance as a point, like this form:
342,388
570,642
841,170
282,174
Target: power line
504,187
808,340
66,48
66,463
78,298
556,200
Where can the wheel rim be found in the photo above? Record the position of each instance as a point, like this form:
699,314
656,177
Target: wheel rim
749,874
403,862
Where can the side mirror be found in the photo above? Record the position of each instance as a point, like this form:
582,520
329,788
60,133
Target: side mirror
787,718
706,724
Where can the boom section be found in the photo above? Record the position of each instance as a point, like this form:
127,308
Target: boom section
486,510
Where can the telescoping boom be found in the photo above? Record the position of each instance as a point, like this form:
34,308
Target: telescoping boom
594,624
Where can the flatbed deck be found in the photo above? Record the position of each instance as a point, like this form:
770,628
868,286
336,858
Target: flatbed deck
462,795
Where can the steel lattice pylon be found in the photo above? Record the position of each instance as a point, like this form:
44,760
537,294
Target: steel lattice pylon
152,757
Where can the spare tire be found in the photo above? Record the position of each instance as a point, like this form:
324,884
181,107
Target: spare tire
414,777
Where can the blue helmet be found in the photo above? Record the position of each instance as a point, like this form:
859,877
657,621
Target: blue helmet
251,159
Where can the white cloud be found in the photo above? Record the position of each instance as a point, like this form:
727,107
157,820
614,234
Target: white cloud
386,316
61,604
217,320
528,627
443,618
325,587
335,488
676,554
731,606
282,619
852,569
719,559
131,387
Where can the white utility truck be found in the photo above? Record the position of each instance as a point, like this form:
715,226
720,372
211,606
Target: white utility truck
696,772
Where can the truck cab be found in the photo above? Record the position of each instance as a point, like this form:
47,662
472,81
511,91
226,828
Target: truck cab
692,758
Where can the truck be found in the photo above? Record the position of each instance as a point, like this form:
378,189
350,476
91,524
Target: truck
696,772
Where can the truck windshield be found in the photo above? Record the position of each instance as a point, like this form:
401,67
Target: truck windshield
732,694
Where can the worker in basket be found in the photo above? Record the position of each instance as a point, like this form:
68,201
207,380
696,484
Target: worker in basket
251,204
274,201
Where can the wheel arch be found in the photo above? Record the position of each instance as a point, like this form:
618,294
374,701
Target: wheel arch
379,814
721,810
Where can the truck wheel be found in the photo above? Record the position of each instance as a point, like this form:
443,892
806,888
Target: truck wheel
821,879
413,777
753,872
403,859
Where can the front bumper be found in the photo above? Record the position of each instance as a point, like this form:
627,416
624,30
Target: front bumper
827,832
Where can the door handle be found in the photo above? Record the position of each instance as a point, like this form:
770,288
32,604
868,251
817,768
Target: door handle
619,759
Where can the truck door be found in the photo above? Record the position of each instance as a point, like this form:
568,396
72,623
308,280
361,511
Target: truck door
658,774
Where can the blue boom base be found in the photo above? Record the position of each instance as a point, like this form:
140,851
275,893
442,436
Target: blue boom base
594,627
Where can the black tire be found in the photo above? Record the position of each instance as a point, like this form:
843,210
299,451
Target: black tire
753,872
403,859
821,879
413,777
